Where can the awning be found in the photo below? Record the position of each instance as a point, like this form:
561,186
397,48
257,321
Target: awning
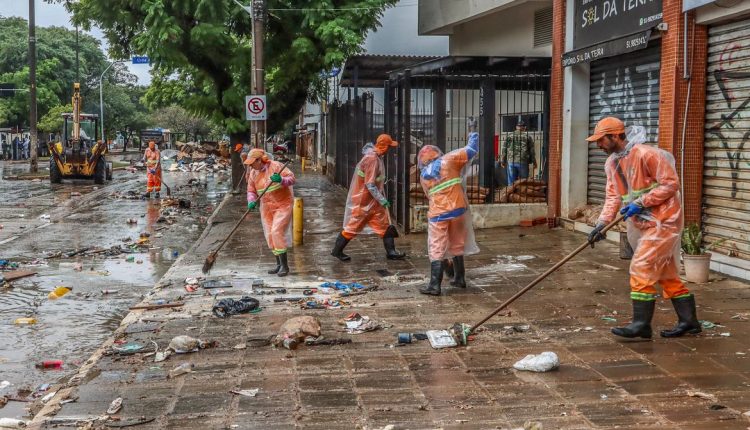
692,4
610,48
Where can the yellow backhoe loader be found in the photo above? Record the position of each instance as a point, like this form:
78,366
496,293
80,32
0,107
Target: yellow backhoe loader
79,155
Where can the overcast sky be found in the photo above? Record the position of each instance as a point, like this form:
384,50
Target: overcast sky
48,15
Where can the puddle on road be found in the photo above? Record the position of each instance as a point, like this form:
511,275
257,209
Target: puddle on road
504,263
73,326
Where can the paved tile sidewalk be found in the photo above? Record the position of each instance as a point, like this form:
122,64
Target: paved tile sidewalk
602,383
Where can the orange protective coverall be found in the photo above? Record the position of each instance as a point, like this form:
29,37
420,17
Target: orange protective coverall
153,169
276,205
647,174
449,232
362,208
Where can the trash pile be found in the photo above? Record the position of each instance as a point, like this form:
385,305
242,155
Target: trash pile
206,156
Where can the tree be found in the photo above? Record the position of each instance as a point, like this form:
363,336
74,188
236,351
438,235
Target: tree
52,122
180,121
201,49
56,73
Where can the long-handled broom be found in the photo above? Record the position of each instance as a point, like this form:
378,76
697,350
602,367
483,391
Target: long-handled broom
211,259
540,278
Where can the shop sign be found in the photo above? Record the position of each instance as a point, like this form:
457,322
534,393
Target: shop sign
597,21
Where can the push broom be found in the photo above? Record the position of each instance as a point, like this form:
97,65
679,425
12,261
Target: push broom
211,259
461,331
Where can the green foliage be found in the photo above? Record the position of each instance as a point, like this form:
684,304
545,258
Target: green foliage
52,122
692,241
201,49
180,121
56,73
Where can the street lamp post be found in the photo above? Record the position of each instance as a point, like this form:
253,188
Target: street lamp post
101,98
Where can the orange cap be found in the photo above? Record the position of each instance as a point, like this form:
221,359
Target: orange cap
607,125
385,140
255,154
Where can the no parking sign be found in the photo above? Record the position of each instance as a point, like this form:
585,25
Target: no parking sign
255,108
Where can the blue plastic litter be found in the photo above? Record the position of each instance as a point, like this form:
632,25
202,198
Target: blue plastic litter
341,286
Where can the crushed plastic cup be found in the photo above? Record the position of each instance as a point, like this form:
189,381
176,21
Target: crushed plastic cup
25,321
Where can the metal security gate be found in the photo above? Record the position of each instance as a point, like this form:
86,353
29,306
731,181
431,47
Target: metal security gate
726,172
626,86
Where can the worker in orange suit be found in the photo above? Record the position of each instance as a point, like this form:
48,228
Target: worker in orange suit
152,158
642,179
366,206
269,177
449,229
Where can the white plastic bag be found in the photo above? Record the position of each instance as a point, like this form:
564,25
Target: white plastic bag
543,362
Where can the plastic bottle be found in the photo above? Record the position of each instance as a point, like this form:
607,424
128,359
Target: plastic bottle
50,364
58,292
25,321
181,370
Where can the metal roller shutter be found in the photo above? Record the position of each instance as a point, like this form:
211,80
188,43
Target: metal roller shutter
726,172
626,86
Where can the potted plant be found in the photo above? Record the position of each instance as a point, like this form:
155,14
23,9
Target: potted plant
695,256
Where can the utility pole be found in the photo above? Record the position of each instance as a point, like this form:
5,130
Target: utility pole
258,128
33,145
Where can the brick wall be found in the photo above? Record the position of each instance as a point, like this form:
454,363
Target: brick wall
674,96
556,102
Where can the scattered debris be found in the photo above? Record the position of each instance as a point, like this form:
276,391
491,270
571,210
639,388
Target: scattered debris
58,292
441,339
358,324
295,330
214,283
12,423
315,341
24,321
160,356
50,364
181,370
227,307
608,318
543,362
247,393
184,344
707,324
725,334
702,395
115,406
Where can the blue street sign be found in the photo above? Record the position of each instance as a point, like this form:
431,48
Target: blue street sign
141,60
334,72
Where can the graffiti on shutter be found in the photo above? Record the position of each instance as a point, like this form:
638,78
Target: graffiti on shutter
726,177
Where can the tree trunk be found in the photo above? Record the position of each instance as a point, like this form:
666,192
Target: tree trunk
238,169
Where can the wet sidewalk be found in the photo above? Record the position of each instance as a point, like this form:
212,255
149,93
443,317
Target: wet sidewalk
697,382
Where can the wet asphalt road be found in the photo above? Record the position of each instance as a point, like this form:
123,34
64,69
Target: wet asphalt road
70,328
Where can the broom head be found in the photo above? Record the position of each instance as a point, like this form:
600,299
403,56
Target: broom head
209,262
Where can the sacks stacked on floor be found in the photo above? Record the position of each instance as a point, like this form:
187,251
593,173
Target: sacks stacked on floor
589,214
523,191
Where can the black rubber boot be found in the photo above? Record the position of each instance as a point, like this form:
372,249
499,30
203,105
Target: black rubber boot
284,266
436,278
687,320
448,268
158,195
278,267
643,311
338,248
458,267
146,196
390,249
